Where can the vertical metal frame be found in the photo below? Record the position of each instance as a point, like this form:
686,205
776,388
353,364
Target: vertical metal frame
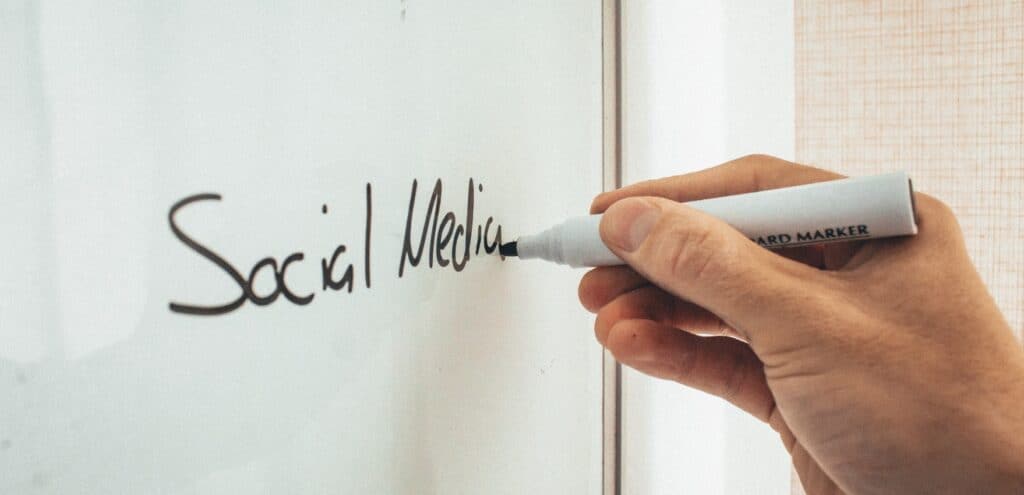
611,67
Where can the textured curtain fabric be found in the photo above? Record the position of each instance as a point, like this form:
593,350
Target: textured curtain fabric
937,89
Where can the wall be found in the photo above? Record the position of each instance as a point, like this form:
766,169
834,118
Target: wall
934,88
703,83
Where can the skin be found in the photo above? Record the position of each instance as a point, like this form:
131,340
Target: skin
884,366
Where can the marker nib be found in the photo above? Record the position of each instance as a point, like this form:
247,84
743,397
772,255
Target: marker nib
509,249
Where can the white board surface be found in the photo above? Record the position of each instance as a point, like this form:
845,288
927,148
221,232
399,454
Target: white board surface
293,119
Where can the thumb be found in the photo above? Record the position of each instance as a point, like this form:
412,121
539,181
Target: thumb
705,261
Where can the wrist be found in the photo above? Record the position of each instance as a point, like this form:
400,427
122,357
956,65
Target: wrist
1006,417
983,435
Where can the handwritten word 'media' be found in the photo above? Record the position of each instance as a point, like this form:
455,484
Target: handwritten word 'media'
451,243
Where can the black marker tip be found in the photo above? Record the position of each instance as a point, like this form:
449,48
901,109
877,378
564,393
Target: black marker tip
509,249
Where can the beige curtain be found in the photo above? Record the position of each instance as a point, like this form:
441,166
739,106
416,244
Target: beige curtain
935,88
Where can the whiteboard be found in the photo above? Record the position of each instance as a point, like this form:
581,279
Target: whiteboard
212,279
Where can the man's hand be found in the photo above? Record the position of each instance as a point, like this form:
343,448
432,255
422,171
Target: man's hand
885,366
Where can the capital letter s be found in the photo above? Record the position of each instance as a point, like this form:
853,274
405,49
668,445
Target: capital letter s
210,255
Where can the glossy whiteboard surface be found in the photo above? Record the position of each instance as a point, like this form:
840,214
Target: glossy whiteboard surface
284,131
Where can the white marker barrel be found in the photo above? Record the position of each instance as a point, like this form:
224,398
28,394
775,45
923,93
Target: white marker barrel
841,210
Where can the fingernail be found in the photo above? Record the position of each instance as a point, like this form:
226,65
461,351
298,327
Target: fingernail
628,223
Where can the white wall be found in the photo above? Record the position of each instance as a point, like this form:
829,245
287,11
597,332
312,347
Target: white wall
703,82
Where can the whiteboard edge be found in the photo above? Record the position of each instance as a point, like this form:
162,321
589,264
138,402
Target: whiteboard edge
611,68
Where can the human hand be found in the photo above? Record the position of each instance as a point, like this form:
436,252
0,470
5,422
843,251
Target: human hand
885,366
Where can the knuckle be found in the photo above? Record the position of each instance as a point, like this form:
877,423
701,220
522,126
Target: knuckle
760,159
770,172
684,365
694,259
722,329
933,211
695,253
932,205
603,324
735,378
763,169
600,332
585,292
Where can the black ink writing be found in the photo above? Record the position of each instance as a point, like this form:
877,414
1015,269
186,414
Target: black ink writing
444,233
210,255
819,236
451,244
269,265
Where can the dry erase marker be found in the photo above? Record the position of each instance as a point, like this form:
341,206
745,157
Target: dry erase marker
841,210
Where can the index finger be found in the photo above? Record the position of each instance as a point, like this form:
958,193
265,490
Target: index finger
748,174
